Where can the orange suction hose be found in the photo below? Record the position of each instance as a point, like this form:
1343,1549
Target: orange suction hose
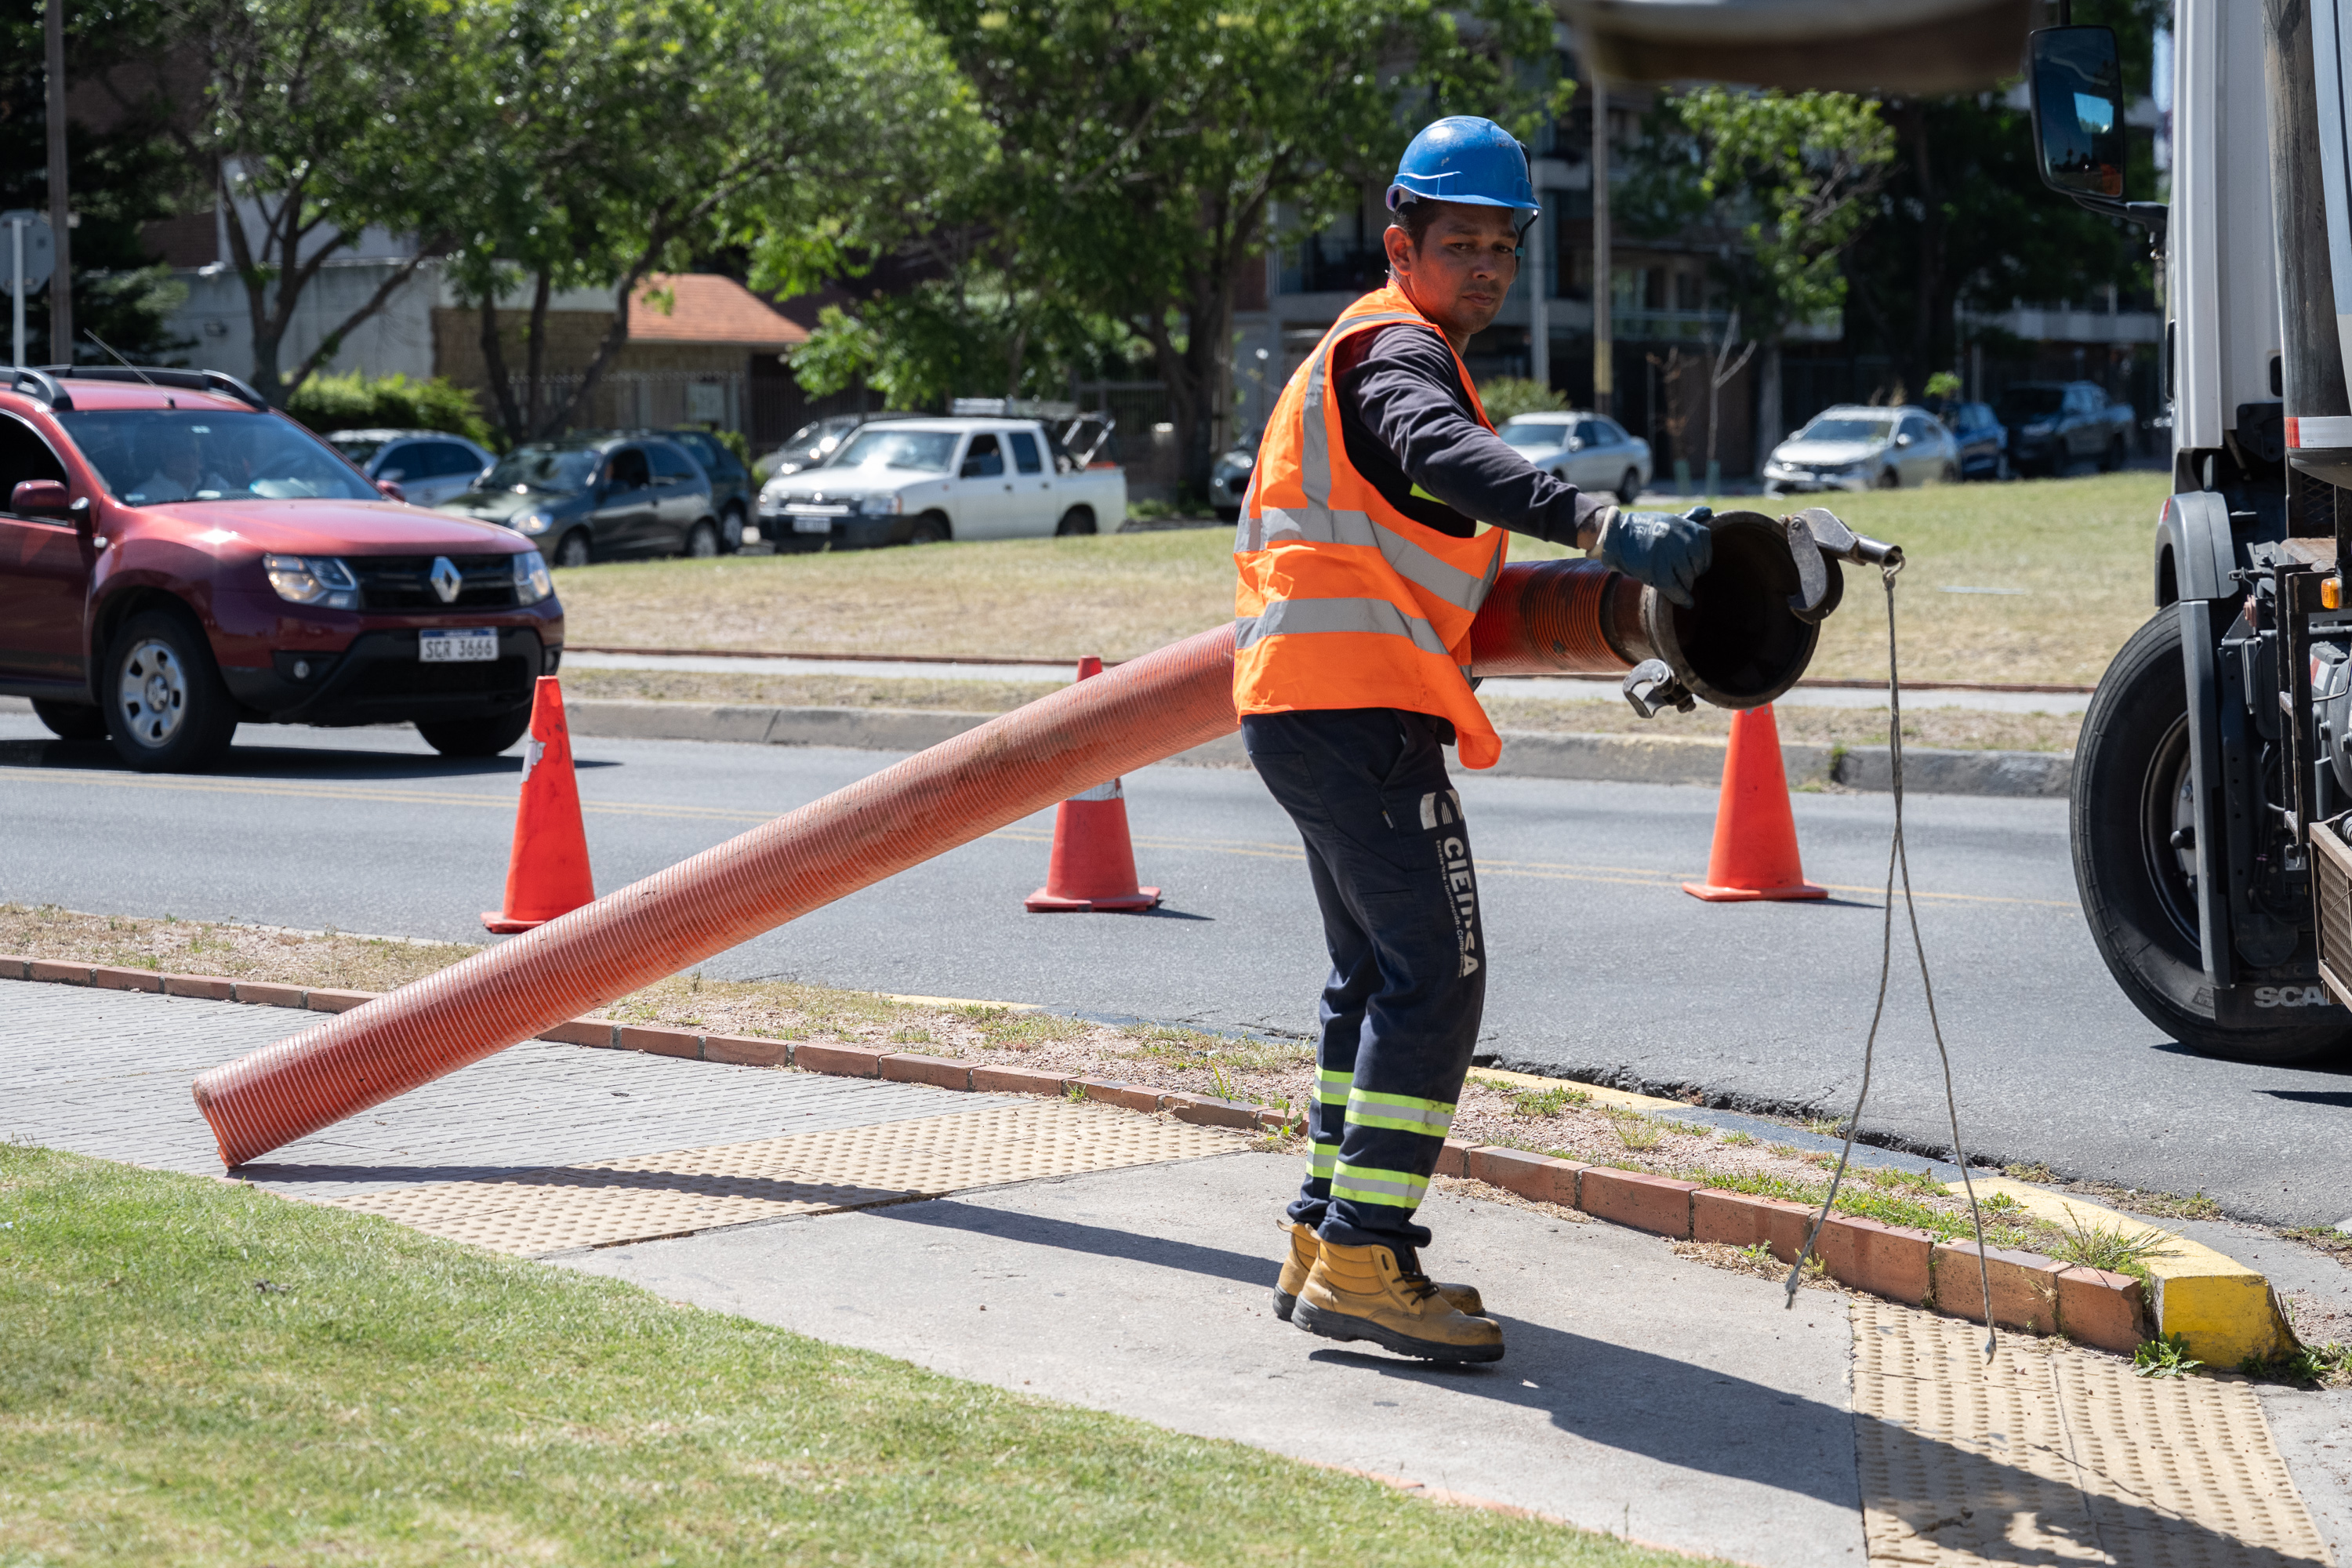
1564,617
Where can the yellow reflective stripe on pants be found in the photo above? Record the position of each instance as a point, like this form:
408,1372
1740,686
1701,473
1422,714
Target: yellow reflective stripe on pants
1399,1112
1361,1184
1321,1158
1332,1088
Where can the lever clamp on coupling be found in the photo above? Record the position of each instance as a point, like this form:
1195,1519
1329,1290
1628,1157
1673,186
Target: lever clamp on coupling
1817,536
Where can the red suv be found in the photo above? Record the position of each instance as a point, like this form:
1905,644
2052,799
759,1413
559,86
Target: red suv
176,558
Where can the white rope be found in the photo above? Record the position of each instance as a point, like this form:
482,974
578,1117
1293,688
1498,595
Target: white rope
1898,857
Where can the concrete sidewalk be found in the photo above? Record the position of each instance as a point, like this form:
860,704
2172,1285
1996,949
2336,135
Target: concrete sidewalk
1123,1262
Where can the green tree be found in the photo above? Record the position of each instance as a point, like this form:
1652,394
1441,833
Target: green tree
317,121
121,179
1794,173
630,136
1145,144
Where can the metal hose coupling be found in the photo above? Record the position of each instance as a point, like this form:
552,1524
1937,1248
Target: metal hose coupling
1746,638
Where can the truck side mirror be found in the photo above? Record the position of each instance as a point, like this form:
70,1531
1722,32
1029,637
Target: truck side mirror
40,498
2077,90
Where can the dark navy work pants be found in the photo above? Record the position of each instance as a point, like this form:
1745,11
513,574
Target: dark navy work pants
1389,857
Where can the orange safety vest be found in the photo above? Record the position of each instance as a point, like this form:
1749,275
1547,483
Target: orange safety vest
1344,601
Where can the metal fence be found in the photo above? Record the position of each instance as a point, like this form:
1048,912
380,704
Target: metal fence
632,399
1144,441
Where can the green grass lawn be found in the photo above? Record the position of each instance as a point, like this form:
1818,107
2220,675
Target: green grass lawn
192,1373
2072,557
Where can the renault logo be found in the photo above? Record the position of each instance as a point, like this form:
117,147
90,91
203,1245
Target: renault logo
446,580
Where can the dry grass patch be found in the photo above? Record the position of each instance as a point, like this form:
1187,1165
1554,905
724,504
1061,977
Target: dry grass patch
2075,550
331,960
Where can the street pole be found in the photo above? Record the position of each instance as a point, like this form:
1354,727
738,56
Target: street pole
61,325
17,286
1604,347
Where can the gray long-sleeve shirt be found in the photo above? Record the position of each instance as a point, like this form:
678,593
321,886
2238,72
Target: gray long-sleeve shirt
1408,427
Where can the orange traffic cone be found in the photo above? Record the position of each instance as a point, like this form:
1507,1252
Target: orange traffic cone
1093,866
1755,853
547,873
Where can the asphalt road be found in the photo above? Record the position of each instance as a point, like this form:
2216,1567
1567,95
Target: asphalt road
1602,968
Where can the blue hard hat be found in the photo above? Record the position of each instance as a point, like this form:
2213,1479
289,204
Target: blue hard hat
1463,159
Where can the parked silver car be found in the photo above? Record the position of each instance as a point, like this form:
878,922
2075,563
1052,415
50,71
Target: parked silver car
429,466
1590,451
1853,446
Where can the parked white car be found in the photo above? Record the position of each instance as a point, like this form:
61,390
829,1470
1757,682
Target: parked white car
1590,451
1854,447
429,466
919,481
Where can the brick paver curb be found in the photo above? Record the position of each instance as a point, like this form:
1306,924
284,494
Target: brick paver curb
2037,1294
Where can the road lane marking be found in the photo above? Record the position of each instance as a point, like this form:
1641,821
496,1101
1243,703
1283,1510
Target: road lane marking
1612,876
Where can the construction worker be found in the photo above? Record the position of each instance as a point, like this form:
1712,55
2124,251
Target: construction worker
1363,562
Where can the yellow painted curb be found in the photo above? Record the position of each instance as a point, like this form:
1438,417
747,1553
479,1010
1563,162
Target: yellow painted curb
2224,1310
1600,1096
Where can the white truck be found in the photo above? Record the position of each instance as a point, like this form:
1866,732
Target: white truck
923,481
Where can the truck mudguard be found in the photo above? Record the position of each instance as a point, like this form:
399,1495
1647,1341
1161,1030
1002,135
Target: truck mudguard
2194,553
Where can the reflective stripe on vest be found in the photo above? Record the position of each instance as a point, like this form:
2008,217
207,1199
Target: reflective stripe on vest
1292,617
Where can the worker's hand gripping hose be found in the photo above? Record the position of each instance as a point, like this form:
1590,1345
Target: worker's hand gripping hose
1898,857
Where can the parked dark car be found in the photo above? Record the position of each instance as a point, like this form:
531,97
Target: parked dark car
732,489
1229,480
599,498
1983,441
2054,424
177,558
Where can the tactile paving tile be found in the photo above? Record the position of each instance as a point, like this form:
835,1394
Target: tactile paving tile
2051,1455
646,1196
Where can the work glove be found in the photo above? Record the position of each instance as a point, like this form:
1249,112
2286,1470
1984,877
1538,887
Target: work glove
1666,551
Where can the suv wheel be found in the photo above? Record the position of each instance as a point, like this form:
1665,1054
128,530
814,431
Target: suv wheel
475,737
1889,478
573,550
1629,488
167,711
702,541
731,529
71,721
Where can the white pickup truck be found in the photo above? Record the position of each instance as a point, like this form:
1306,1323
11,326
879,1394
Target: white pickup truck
919,481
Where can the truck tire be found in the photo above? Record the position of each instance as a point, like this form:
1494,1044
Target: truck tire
2130,765
1078,520
167,709
932,528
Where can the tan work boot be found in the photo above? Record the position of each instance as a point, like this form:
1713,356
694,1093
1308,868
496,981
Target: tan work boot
1361,1293
1299,1262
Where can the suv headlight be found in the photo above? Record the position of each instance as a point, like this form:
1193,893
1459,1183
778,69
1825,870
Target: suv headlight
531,581
532,523
318,580
879,506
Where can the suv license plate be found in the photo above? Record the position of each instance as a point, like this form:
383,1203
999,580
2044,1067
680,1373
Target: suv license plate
812,525
472,645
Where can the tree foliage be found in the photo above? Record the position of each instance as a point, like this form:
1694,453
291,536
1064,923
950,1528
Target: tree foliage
121,179
630,136
318,119
1145,145
1792,172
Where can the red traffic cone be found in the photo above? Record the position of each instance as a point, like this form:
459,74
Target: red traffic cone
1093,867
546,872
1755,853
